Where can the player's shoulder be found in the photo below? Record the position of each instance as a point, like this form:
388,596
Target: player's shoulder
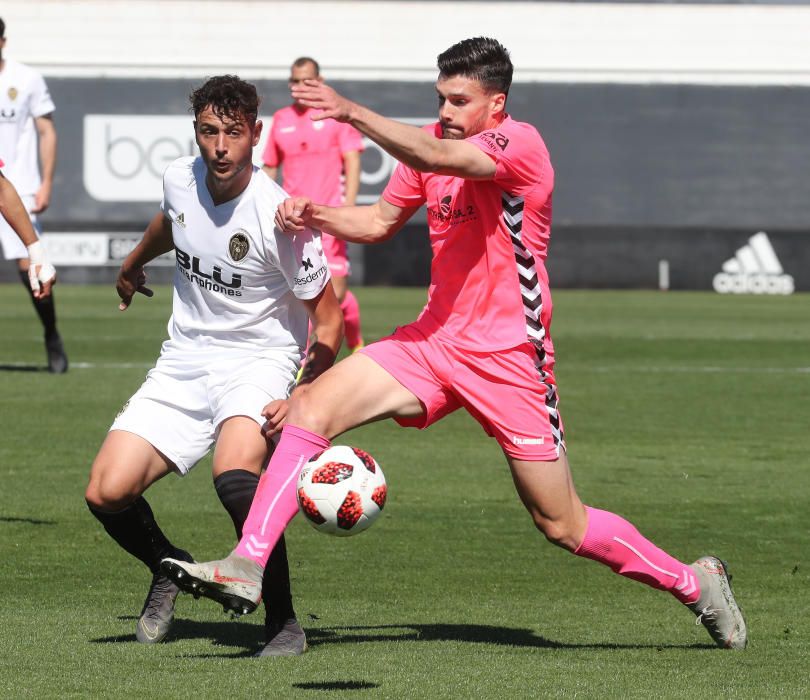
266,187
20,71
184,171
283,114
512,135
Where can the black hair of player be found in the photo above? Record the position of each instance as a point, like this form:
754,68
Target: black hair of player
228,96
482,59
301,62
2,29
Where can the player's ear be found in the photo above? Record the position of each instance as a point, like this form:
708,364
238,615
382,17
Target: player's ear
257,132
498,103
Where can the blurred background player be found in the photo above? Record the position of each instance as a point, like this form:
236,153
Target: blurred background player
481,343
28,143
41,274
321,160
244,293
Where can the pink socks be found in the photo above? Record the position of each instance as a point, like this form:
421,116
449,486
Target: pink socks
351,320
613,541
275,504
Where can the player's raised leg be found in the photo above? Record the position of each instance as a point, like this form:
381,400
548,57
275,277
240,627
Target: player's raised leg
125,466
547,491
354,391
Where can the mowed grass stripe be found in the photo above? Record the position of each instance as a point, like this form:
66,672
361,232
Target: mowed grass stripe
685,412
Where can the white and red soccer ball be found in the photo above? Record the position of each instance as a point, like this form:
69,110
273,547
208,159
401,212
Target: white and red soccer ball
341,491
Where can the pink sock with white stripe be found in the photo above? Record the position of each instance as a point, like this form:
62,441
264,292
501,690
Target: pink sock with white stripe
613,541
274,504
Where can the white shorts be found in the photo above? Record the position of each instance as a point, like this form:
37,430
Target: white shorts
185,399
13,247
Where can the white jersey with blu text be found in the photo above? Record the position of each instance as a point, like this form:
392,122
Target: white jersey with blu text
238,279
24,97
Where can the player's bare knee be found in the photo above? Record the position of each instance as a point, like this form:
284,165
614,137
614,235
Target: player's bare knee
558,532
307,412
107,493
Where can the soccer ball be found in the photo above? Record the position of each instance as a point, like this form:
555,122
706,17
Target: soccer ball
341,491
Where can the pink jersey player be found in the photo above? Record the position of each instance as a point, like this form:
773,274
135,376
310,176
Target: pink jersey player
482,341
319,159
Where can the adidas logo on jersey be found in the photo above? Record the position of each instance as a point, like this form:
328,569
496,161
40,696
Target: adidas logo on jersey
179,219
754,269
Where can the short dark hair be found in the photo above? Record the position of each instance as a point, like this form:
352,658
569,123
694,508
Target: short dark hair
482,59
2,29
303,60
229,96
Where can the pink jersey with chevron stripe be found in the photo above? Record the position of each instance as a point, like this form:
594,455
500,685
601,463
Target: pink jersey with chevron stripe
489,287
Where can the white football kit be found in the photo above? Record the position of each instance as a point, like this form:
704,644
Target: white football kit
24,96
238,327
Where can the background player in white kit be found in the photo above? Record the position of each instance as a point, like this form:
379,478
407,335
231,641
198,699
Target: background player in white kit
28,142
244,293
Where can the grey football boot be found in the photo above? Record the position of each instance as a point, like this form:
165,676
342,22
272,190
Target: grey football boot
716,609
158,608
235,582
286,640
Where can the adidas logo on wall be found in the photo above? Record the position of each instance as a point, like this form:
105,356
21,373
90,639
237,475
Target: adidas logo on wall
754,269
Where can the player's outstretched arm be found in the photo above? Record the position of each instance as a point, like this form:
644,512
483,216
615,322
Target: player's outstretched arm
408,144
360,224
157,239
41,273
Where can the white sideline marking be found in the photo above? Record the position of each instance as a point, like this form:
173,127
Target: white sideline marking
88,365
687,369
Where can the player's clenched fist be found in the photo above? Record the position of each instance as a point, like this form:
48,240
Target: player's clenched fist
293,214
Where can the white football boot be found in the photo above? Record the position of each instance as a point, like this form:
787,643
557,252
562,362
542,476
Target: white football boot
234,582
716,609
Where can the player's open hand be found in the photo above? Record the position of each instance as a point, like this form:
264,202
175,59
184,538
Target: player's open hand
318,95
128,283
275,415
293,214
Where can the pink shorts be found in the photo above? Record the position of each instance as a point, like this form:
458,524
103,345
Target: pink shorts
335,251
513,400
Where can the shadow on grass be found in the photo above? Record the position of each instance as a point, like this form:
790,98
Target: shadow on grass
251,637
28,521
336,685
475,634
23,368
228,634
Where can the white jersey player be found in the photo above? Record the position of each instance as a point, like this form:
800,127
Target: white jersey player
28,147
244,294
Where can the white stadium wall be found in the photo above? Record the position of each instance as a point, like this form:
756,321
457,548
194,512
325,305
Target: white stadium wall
678,131
549,41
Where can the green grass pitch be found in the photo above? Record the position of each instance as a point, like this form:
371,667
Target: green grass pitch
685,412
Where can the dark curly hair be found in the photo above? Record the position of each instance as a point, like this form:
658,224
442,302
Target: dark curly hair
482,59
228,96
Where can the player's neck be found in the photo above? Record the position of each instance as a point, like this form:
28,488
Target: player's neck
224,192
300,109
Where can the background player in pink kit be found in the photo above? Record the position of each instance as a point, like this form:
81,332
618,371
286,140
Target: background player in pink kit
321,160
482,341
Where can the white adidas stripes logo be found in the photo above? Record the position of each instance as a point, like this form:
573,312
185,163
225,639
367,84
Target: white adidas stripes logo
754,269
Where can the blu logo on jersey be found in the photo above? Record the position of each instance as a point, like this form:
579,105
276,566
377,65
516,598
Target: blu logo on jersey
190,266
